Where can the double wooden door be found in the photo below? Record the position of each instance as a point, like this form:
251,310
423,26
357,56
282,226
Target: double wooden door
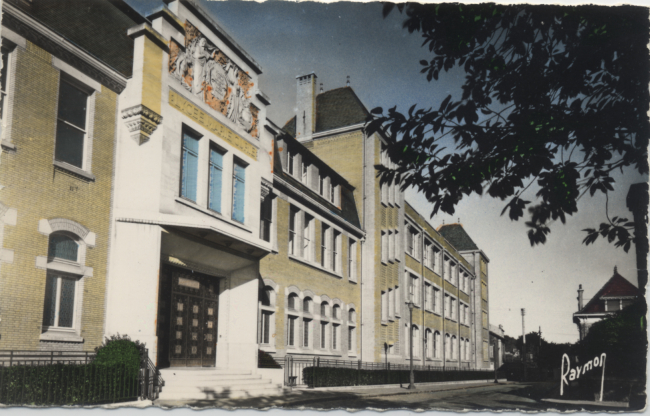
189,339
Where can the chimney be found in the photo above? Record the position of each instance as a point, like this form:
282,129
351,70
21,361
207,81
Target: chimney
306,106
580,298
347,83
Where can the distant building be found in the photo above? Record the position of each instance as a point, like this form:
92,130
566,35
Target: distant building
615,295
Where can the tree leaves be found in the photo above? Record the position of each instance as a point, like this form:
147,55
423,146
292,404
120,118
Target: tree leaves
553,96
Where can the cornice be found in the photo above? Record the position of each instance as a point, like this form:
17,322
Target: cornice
41,35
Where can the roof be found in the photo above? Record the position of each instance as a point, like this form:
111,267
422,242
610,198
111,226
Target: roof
97,26
338,108
290,127
348,210
616,286
457,237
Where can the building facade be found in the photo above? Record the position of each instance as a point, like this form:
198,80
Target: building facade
58,116
194,166
615,295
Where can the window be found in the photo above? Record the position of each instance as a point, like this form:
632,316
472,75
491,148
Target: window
326,246
398,299
437,260
466,314
293,224
323,335
293,300
447,305
335,336
190,166
436,300
306,305
437,345
4,73
59,301
352,260
291,331
416,341
71,125
384,306
391,193
216,173
428,297
391,246
429,255
305,169
323,309
453,309
454,348
333,188
238,191
321,185
351,338
291,163
308,243
306,324
336,312
428,344
266,327
336,258
384,193
447,347
63,247
414,292
391,303
411,241
384,246
396,190
266,218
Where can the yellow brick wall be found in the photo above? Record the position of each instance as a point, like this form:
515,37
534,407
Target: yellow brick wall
39,191
287,272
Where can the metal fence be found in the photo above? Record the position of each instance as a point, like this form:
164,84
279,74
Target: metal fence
65,377
294,366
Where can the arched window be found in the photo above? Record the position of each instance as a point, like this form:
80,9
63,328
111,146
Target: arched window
447,347
293,301
306,304
323,309
267,316
63,247
428,344
336,312
352,316
462,348
267,296
436,345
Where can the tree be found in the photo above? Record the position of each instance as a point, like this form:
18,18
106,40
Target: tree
554,97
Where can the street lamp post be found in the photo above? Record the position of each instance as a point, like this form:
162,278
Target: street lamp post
412,380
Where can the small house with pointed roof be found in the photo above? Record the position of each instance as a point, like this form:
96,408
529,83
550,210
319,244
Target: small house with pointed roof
615,295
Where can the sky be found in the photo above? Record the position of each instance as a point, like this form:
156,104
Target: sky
352,39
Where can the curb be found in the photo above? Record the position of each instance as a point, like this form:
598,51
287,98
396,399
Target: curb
393,386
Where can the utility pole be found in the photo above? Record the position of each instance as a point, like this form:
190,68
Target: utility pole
523,336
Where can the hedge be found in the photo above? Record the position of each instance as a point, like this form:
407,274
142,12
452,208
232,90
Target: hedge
334,377
67,384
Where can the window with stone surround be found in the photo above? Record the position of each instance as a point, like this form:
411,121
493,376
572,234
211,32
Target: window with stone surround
72,123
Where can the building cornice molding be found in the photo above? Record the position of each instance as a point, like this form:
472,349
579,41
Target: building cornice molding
340,221
44,37
340,130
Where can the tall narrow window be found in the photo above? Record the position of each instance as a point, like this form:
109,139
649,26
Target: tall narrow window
323,334
291,335
336,242
335,332
58,311
291,162
266,218
266,323
352,260
305,332
384,246
71,125
391,303
293,224
350,337
190,166
321,185
216,174
238,191
3,88
305,168
308,244
325,246
384,306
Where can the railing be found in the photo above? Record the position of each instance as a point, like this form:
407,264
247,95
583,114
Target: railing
65,377
151,382
294,366
32,358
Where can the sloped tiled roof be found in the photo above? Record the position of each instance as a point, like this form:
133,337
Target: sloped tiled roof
97,26
338,108
617,286
457,237
290,127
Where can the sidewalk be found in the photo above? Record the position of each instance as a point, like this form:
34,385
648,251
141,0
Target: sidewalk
309,398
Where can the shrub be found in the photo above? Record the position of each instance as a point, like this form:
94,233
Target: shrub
120,349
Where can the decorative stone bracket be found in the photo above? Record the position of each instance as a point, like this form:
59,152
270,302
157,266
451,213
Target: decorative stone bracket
141,122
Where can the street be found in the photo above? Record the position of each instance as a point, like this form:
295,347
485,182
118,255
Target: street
457,397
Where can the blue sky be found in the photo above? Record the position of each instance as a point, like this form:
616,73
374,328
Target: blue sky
352,39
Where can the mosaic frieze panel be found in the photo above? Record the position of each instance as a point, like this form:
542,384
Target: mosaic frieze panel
205,71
